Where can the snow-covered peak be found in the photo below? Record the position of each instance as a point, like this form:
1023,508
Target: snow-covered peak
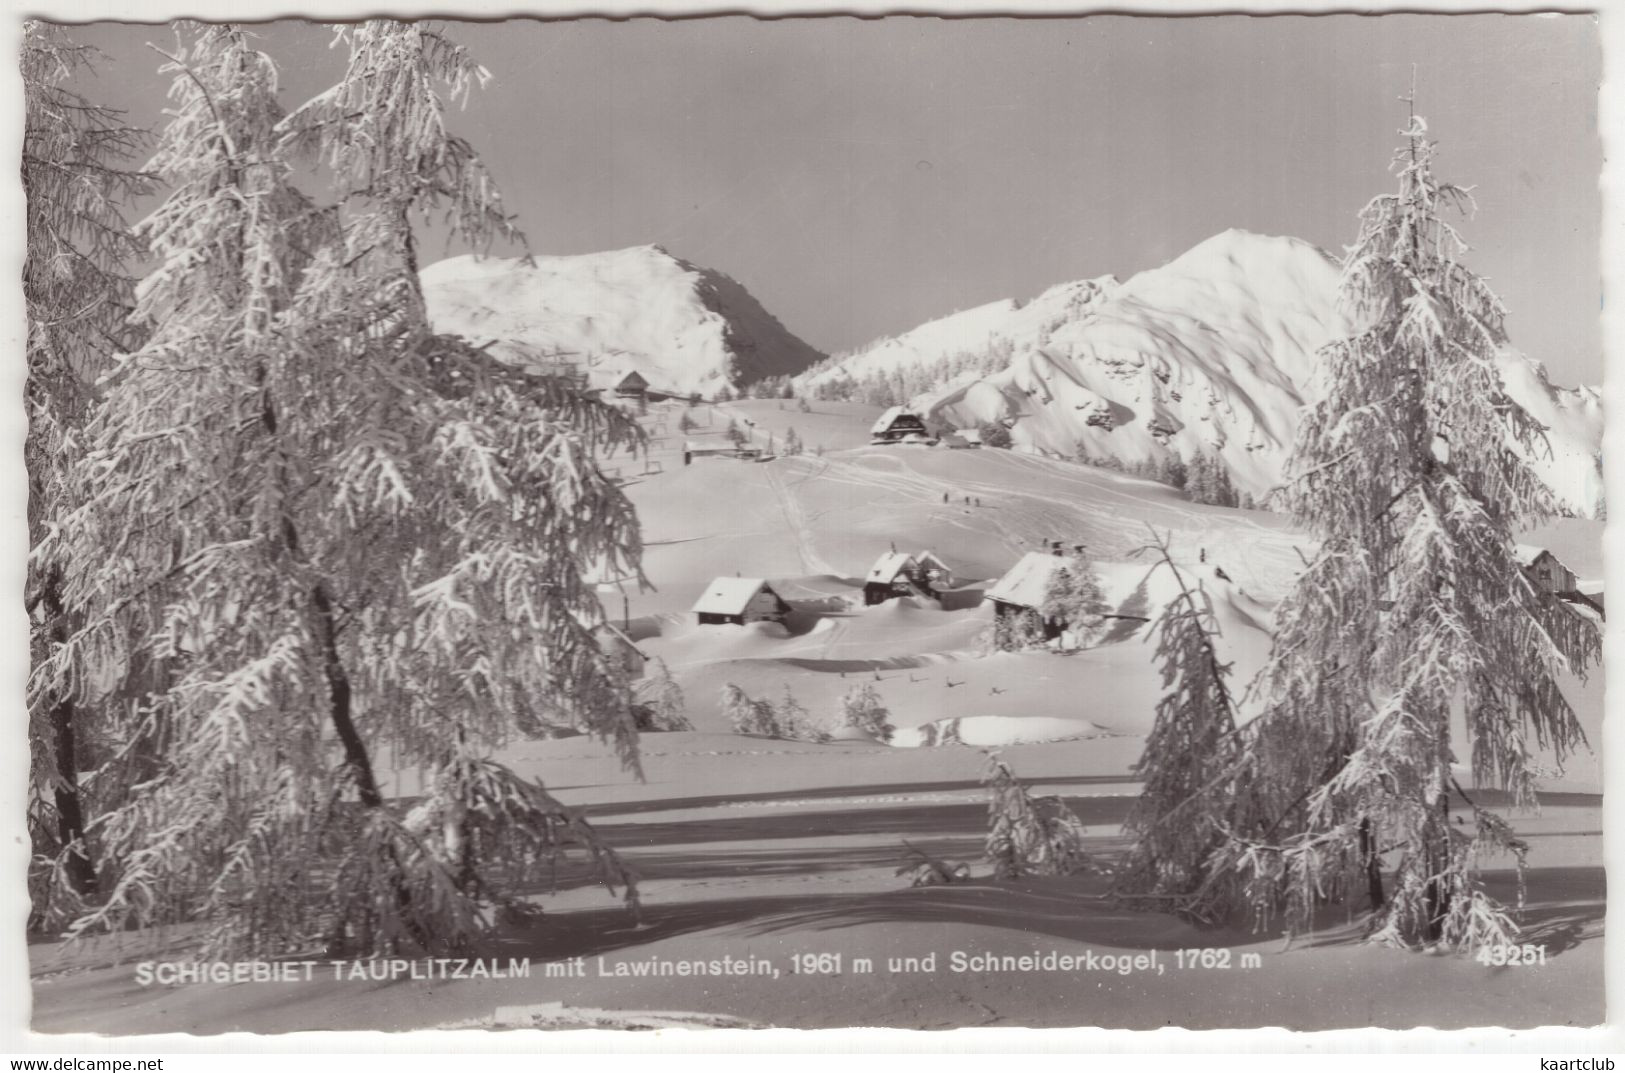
1211,354
1263,258
682,327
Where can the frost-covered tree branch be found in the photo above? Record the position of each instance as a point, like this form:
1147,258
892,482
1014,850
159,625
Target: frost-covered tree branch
356,546
1415,606
77,293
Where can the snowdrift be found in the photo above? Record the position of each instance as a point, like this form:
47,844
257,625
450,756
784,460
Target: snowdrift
993,731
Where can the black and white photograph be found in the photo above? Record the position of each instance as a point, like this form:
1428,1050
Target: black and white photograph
730,522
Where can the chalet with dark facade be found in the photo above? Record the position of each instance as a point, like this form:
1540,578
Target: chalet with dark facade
899,425
632,385
897,574
892,576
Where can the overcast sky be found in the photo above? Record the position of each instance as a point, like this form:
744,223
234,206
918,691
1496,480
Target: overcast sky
862,176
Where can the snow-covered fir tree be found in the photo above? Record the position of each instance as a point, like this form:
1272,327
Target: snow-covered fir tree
1173,471
1021,630
1407,469
862,708
792,720
660,703
77,292
1188,764
746,714
788,720
1027,835
354,542
1073,601
1208,481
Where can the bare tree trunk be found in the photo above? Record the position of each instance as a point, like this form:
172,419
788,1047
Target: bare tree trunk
338,686
70,811
1436,855
338,679
70,815
1373,865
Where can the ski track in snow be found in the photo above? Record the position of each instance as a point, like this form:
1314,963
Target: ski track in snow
796,519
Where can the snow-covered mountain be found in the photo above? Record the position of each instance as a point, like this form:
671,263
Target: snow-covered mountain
682,327
1213,353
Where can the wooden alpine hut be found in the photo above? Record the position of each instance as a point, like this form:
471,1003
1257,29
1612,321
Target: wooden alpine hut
899,425
1024,586
738,601
631,385
890,577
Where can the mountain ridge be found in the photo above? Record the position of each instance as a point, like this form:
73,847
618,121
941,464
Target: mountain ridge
1213,353
683,327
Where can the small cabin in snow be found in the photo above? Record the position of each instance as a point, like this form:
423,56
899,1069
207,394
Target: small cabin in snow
899,574
1550,574
1024,587
964,438
1545,569
621,650
890,577
934,573
739,600
692,451
899,425
632,385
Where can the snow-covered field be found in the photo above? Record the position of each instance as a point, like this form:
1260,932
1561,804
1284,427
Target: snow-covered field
756,847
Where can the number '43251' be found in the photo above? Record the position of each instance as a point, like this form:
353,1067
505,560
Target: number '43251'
1512,955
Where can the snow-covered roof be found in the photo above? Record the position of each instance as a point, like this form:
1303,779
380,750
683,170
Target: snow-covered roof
631,375
730,595
930,558
1026,583
888,566
969,435
889,418
1527,553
